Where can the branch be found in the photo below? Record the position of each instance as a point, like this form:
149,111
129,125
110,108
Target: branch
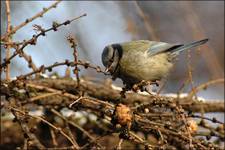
42,69
48,123
33,40
75,55
26,130
8,38
40,14
204,86
107,93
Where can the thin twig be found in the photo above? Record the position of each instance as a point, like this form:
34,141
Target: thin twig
41,96
48,123
147,23
205,118
29,60
75,55
42,69
8,38
198,32
190,73
26,129
54,141
74,102
119,146
102,91
75,125
68,94
40,14
33,40
139,139
204,86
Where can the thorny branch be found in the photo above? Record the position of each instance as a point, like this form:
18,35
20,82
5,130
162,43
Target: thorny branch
100,114
42,69
205,85
48,123
99,107
40,14
26,129
75,55
33,40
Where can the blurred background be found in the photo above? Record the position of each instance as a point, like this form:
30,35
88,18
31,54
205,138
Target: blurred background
114,21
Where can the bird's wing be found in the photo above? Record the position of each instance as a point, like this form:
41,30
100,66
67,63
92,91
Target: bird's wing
139,45
159,47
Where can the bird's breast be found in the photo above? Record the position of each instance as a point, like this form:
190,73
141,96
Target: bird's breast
138,66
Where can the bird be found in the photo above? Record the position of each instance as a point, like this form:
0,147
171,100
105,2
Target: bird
142,60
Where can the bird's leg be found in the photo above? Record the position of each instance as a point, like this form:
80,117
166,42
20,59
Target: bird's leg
156,82
124,90
145,86
138,86
148,89
141,86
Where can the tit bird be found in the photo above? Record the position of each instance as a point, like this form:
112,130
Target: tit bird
140,60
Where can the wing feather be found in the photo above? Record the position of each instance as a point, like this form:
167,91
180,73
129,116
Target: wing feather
159,47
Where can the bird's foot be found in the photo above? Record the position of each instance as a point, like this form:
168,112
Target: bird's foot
140,86
145,86
124,90
156,82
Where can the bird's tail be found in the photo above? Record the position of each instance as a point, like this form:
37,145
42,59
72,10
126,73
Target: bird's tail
188,46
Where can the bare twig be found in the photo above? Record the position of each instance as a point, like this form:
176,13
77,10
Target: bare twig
190,73
8,38
40,14
42,69
29,60
154,121
74,102
147,23
101,91
26,129
33,40
71,96
198,33
74,124
54,141
75,55
119,146
48,123
205,118
204,86
141,141
41,96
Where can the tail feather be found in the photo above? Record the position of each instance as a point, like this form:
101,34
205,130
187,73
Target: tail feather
188,46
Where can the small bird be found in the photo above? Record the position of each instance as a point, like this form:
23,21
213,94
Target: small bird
142,60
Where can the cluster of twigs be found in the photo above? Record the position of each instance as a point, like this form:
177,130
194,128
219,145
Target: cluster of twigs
99,117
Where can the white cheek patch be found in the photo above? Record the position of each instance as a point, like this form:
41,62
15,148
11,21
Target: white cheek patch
107,55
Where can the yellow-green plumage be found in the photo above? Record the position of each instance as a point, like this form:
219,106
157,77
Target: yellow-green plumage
142,60
136,64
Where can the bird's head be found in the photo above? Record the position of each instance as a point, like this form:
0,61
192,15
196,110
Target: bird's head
111,56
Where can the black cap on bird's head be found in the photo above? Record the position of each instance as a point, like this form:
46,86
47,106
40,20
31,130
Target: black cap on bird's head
111,56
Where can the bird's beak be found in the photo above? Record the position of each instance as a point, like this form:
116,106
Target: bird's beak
106,70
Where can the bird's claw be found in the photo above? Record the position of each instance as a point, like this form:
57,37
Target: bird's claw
142,86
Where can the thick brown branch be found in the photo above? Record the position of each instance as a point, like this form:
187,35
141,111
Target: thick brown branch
107,93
